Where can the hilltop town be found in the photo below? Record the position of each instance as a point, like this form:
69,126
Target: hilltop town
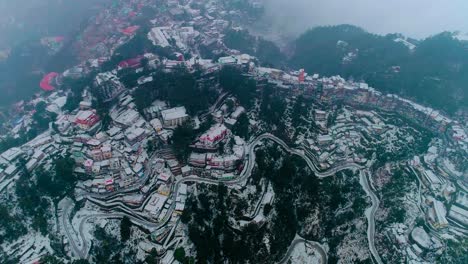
165,144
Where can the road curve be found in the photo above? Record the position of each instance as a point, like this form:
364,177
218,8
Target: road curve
298,240
246,173
83,252
65,216
364,181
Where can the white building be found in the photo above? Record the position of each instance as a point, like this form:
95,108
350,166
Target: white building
11,154
433,180
11,170
439,213
156,124
214,135
175,116
320,115
159,37
324,139
155,205
239,111
459,214
127,117
32,163
227,60
462,199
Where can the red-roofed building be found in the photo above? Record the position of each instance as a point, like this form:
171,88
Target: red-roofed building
214,135
131,63
47,81
86,119
130,30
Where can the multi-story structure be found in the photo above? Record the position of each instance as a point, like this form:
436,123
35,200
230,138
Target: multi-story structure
214,135
86,119
174,117
134,135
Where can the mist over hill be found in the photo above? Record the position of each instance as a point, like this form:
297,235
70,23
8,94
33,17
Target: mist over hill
23,23
22,20
434,71
415,18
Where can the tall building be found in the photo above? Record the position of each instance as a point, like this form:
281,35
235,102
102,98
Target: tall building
301,75
174,117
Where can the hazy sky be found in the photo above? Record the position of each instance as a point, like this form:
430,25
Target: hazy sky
414,18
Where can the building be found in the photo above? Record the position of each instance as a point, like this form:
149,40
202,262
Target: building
432,179
63,123
32,164
85,119
134,135
155,205
85,105
164,190
88,165
159,37
157,125
181,198
459,215
12,154
135,199
324,139
213,136
127,117
462,199
102,153
197,159
174,117
439,212
239,111
131,63
320,115
96,154
11,170
227,60
301,77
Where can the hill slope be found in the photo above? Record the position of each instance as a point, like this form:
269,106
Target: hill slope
434,72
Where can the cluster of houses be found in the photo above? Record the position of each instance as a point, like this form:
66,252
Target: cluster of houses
206,157
117,158
340,142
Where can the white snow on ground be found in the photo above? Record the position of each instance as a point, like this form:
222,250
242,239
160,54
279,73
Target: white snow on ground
305,254
29,248
423,239
87,227
5,183
408,44
461,36
169,257
449,165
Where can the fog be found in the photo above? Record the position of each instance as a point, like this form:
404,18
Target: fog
21,20
414,18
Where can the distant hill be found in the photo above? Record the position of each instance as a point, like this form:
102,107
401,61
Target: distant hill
266,51
433,71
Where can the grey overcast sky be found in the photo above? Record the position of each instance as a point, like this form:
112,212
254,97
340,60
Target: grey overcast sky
414,18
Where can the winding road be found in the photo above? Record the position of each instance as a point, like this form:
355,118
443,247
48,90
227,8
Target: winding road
65,225
138,219
370,214
299,240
